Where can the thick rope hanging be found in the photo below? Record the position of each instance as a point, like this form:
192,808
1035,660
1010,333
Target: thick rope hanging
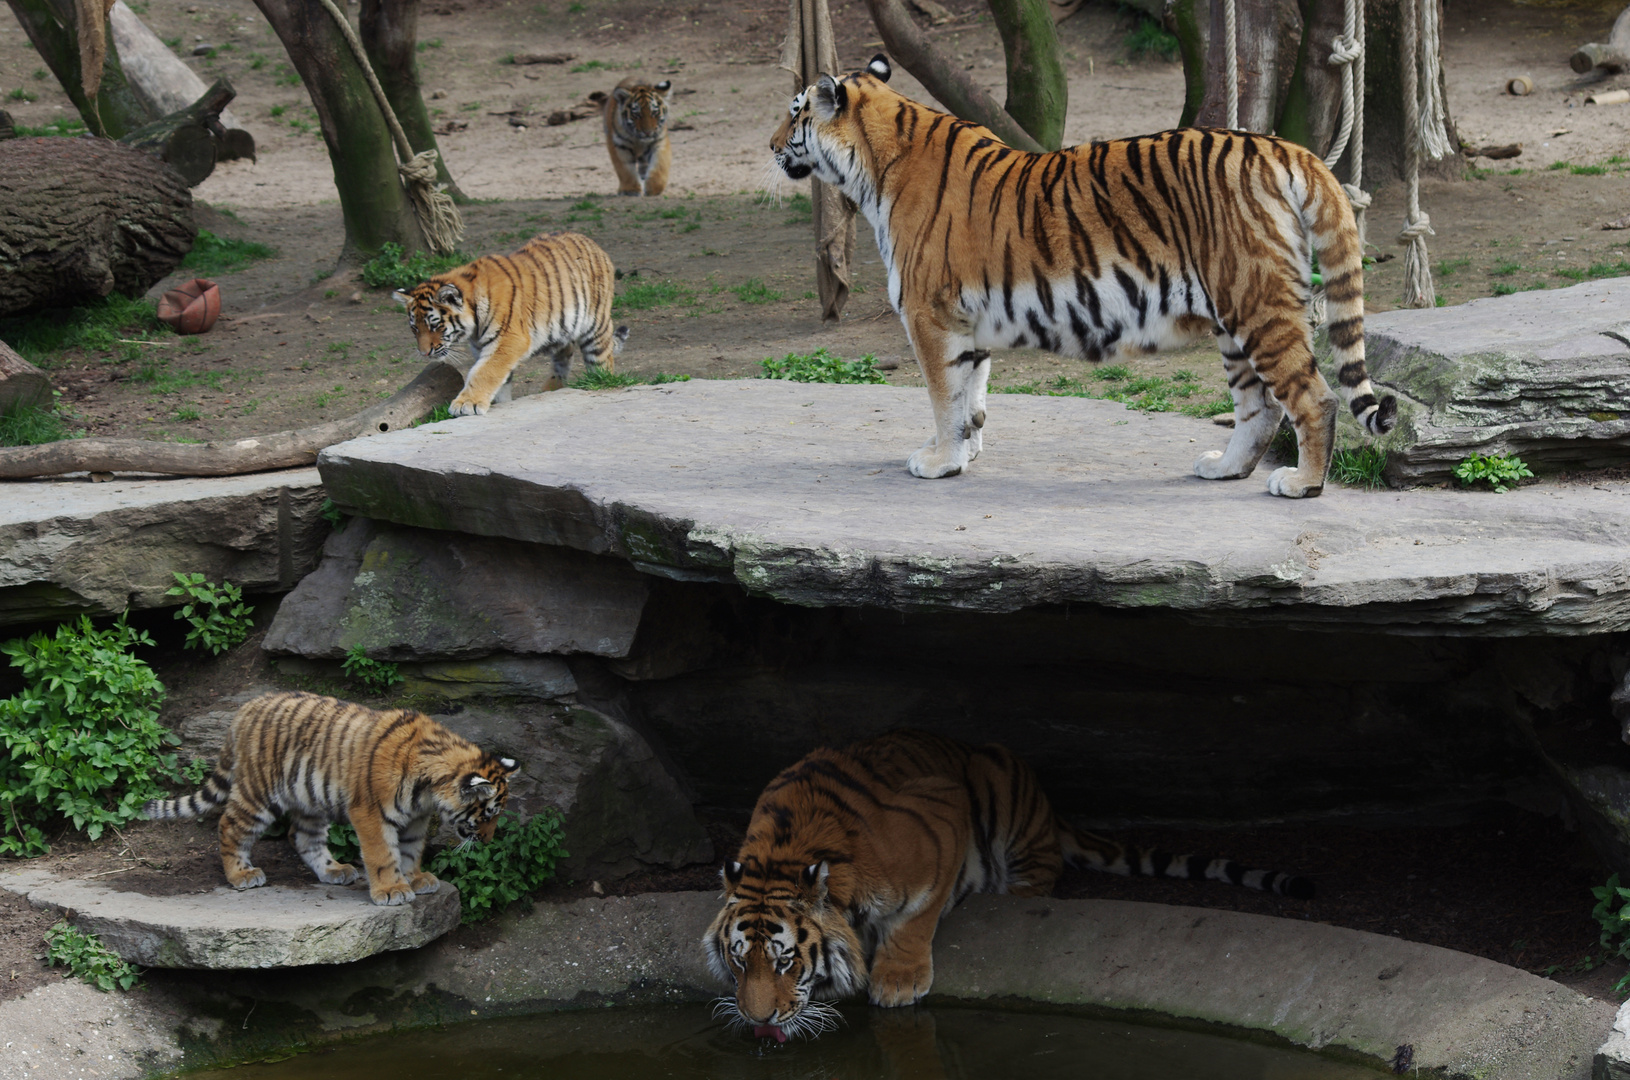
1347,53
438,216
1434,117
1231,52
1417,269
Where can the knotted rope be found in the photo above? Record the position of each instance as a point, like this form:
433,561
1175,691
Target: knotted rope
1347,52
1231,52
438,216
1418,290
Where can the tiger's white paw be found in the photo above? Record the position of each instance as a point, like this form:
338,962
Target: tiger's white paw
464,405
250,878
1210,465
976,443
1284,481
392,895
932,461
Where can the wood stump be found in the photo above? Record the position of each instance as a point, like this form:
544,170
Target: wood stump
82,218
21,383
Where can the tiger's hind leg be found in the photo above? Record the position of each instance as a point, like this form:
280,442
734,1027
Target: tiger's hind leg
240,827
956,373
309,833
410,852
560,368
602,344
1256,418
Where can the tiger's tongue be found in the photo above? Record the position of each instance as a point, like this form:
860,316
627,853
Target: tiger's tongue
770,1029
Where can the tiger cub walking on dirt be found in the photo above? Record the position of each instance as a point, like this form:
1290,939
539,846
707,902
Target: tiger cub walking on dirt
636,119
394,774
554,293
852,857
1132,245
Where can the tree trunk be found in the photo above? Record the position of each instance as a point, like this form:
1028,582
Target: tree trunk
376,208
165,85
1191,22
910,48
81,218
1037,93
1313,101
390,33
1384,102
51,25
1267,32
435,385
21,384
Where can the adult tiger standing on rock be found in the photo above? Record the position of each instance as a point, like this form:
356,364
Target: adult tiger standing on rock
636,118
1137,244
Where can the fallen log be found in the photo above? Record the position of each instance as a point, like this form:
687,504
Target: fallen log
21,383
435,385
188,139
164,84
1613,56
81,218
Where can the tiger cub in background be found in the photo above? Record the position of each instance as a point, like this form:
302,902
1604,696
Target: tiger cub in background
852,857
395,774
636,118
1128,246
554,293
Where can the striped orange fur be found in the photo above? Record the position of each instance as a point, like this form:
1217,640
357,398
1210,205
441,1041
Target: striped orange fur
554,293
1134,245
852,857
636,122
394,774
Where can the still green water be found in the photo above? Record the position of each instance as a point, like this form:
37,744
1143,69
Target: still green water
685,1043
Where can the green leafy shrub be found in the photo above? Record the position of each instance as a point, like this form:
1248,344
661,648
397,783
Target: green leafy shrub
1612,914
1151,39
516,861
219,617
821,366
1500,471
376,676
212,255
84,955
82,740
390,270
1361,467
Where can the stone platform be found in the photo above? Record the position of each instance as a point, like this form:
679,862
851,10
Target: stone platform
269,927
800,493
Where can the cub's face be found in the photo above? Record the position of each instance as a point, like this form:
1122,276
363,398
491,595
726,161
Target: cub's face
643,110
475,798
438,316
781,946
821,115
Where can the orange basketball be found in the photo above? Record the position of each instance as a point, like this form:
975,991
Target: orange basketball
192,308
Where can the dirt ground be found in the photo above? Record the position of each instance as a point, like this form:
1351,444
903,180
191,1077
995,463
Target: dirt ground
296,345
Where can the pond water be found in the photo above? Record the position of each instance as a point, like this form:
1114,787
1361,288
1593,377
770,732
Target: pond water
686,1043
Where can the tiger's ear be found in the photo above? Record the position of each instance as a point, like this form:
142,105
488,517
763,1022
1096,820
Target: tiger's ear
449,294
474,783
830,98
879,67
622,94
732,871
401,298
663,87
814,880
509,765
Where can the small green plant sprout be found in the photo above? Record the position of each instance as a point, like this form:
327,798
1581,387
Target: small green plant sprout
212,255
1612,914
821,366
754,291
1500,471
390,270
516,861
219,617
1361,467
375,676
84,955
333,514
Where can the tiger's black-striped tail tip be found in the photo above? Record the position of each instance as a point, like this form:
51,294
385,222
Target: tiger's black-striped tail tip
1299,888
1386,414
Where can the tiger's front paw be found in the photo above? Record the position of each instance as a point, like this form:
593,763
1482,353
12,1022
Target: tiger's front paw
391,895
1288,483
425,882
898,982
338,874
247,878
932,461
465,405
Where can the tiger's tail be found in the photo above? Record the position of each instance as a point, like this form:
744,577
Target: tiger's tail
212,796
1082,848
1328,218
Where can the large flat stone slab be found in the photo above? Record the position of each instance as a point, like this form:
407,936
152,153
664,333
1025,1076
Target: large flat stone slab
269,927
1544,375
799,492
70,547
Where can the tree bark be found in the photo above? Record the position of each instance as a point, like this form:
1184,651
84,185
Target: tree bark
51,25
1268,32
390,34
1191,22
910,48
375,207
1313,102
1037,93
81,218
21,383
1384,102
435,385
165,85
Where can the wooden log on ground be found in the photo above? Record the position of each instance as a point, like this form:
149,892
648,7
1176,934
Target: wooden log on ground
164,84
187,139
1612,56
8,127
21,383
82,218
435,385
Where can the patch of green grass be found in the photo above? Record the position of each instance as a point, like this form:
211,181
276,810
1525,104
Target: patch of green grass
1504,289
187,415
433,43
591,65
23,94
1505,268
1500,471
160,380
1449,267
1556,166
1594,271
821,366
754,291
256,61
286,76
390,270
802,211
87,958
576,7
434,416
212,255
102,327
644,295
278,110
40,75
32,425
1588,170
598,378
62,126
1360,467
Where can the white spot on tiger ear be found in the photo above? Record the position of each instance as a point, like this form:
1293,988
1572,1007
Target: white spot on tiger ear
879,67
510,764
663,87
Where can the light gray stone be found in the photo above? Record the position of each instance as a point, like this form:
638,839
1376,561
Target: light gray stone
70,547
622,810
1612,1061
1544,375
799,492
272,926
203,733
421,594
